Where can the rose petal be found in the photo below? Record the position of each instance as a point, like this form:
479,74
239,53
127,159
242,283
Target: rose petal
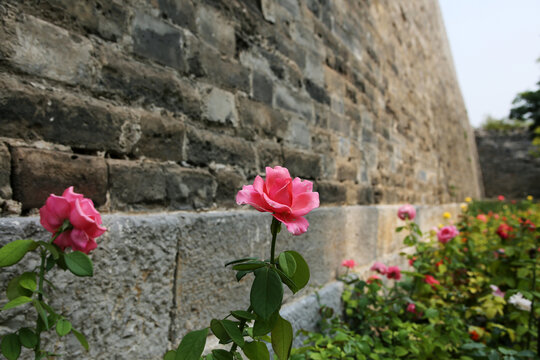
63,240
275,206
79,219
71,195
304,203
248,195
300,186
295,225
79,239
274,175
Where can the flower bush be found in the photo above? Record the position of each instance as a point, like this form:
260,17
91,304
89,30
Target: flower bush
470,292
73,223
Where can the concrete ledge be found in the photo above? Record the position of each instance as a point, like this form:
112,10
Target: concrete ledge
158,276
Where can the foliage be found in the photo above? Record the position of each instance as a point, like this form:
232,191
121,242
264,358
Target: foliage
527,107
473,297
503,125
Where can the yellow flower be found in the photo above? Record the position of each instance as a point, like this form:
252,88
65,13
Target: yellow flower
468,199
440,226
447,215
463,207
529,197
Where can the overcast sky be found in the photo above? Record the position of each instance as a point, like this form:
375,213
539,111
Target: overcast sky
495,44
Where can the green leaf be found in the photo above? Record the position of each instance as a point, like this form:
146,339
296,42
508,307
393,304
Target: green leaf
282,336
401,351
81,338
243,315
219,331
170,355
263,327
249,266
287,281
287,263
241,274
42,313
79,263
28,338
11,346
63,327
13,252
240,260
52,249
222,355
192,345
21,300
50,263
233,331
266,292
14,289
431,313
256,350
28,281
301,275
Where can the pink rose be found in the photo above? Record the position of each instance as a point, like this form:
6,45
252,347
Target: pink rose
374,278
482,218
431,281
288,200
412,260
393,272
496,291
501,197
447,233
80,212
504,231
379,267
348,263
411,308
406,212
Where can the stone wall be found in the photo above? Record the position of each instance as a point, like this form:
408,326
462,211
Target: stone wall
509,166
161,110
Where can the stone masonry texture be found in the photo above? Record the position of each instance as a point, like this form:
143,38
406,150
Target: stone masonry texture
160,111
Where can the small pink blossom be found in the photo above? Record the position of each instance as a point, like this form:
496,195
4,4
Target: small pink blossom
496,291
348,263
504,231
501,197
482,217
406,212
287,199
393,272
412,260
374,278
411,308
379,267
447,233
431,281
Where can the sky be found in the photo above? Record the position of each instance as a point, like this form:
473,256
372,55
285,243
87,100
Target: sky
495,45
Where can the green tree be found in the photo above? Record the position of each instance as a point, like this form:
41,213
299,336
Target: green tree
527,107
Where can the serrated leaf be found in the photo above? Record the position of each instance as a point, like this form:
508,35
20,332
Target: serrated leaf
266,292
21,300
192,345
13,252
79,263
256,350
301,275
81,338
63,327
282,336
28,338
11,346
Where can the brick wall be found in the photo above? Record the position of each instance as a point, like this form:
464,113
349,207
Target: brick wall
167,104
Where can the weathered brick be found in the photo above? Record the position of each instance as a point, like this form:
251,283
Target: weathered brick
260,118
146,85
204,147
5,172
180,12
302,164
162,137
229,182
270,154
316,92
214,29
77,121
263,88
331,192
189,188
159,41
347,171
39,48
136,185
224,73
39,173
298,134
219,106
365,195
292,101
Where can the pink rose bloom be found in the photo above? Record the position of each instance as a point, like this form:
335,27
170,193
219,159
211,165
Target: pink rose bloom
501,197
374,278
379,267
447,233
406,212
288,200
482,218
84,219
348,263
393,272
411,308
504,231
496,291
496,216
412,260
431,281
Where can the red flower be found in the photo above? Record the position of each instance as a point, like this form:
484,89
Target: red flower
504,231
431,281
482,218
439,263
412,260
393,272
501,197
474,335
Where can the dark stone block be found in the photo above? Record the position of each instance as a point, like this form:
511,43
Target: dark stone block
316,92
39,173
189,188
262,88
331,192
5,172
229,182
302,164
180,12
162,137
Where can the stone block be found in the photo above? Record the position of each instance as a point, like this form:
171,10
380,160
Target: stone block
5,172
45,50
189,188
204,147
263,88
213,28
39,173
347,171
229,182
59,117
316,92
227,74
302,164
162,137
331,192
180,12
159,41
136,185
298,134
292,101
219,106
261,118
270,154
